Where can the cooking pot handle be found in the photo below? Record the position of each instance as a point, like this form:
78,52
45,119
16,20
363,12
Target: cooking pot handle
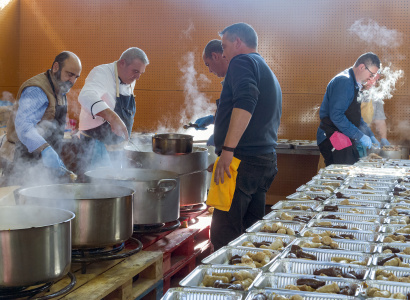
164,186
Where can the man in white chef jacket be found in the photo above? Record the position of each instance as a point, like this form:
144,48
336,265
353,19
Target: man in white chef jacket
108,105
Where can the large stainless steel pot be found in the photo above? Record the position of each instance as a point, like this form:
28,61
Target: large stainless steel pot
35,245
172,143
103,212
156,198
192,185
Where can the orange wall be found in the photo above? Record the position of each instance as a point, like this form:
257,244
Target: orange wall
306,43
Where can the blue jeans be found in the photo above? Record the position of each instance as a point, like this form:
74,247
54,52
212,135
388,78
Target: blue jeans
255,175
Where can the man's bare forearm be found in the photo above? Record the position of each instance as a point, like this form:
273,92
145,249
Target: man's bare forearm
381,128
239,122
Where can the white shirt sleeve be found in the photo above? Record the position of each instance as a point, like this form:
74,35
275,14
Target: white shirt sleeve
95,90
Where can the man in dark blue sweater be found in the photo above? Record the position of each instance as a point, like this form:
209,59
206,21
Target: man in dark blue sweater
246,126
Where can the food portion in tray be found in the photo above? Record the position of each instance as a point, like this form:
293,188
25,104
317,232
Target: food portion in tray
302,218
322,242
239,280
390,275
252,260
330,234
277,228
266,296
376,292
393,261
318,286
277,244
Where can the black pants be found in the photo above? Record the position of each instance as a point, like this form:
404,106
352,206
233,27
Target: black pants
255,175
347,156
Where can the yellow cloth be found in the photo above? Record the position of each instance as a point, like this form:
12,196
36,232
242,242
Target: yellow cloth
367,111
220,195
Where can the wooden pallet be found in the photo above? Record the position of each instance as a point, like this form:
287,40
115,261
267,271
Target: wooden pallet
182,248
120,279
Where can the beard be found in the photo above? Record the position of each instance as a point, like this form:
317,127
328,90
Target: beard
63,86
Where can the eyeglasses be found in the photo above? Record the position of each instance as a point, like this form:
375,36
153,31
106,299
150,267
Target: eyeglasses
371,73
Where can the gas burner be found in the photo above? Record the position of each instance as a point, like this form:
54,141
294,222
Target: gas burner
192,208
22,292
84,256
156,228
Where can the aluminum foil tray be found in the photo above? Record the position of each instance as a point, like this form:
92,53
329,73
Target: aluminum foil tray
308,195
223,255
275,214
359,235
382,236
329,176
271,293
322,188
368,203
306,267
362,210
376,189
371,164
310,203
375,184
280,280
366,197
407,213
334,172
371,175
400,246
366,226
378,257
405,206
391,286
201,294
340,167
397,271
396,220
352,217
392,228
311,145
400,200
327,255
195,278
283,145
347,191
324,181
296,226
260,237
350,245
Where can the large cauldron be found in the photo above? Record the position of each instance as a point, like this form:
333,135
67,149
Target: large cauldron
103,212
156,198
192,185
35,245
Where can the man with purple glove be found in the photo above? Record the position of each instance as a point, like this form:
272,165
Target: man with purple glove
340,113
35,130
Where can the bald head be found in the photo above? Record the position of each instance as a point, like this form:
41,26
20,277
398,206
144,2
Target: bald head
66,68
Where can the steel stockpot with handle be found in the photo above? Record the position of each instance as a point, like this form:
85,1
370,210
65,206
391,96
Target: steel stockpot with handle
35,245
156,198
103,212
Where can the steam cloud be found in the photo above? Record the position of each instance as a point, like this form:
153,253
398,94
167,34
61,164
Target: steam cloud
373,33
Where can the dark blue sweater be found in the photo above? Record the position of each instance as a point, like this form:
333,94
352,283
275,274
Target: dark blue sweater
250,85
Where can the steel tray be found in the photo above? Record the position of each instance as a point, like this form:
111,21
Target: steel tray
280,280
224,254
391,286
308,195
296,226
195,278
354,202
271,293
359,235
307,267
366,226
201,294
327,255
378,257
352,217
349,245
275,214
312,204
260,237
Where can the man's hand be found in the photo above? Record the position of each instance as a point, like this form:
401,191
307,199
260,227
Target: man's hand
222,166
117,125
384,142
204,121
51,160
375,141
366,141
